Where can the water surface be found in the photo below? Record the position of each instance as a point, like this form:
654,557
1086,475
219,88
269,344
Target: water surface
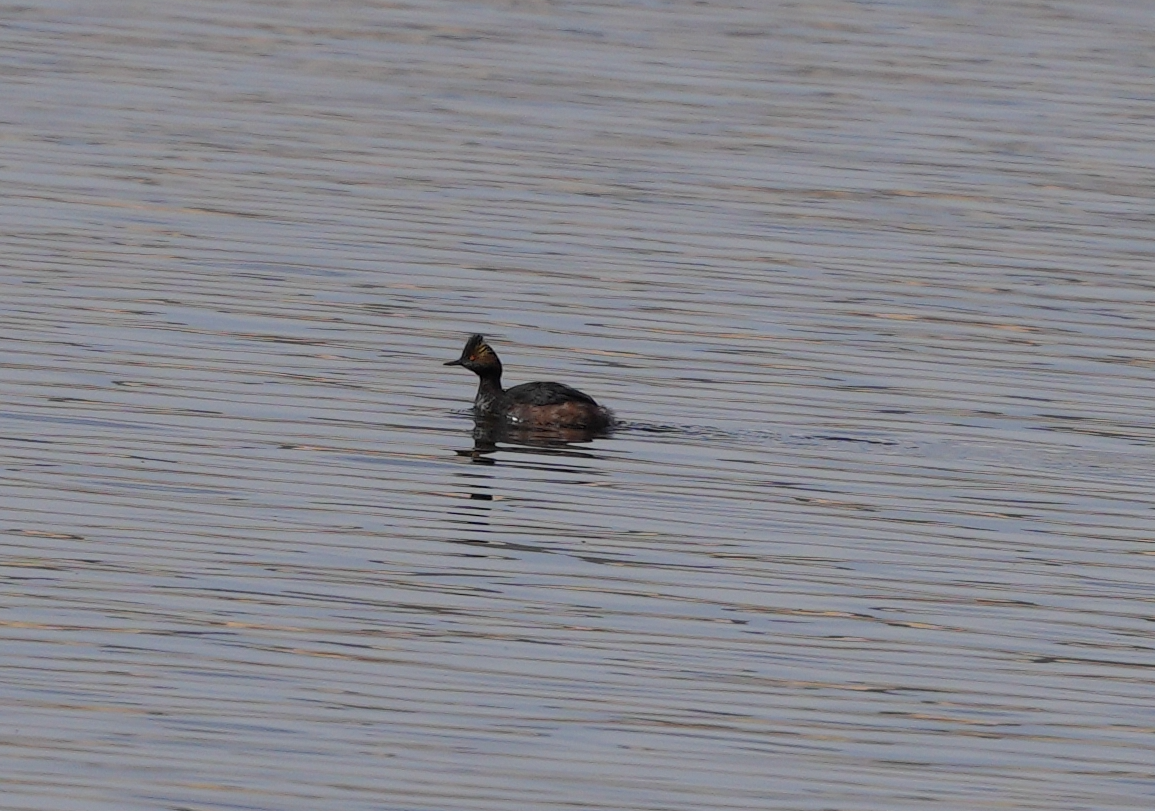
869,285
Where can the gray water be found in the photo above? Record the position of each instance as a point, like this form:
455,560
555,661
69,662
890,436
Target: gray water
868,284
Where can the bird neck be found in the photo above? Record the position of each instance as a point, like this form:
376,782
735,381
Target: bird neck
489,387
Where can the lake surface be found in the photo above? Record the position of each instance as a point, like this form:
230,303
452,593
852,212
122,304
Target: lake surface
869,285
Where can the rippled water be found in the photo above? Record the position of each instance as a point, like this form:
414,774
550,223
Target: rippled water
869,285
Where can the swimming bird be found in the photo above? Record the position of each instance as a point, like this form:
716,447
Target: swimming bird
530,404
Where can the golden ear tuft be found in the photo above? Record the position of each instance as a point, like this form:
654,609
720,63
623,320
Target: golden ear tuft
480,352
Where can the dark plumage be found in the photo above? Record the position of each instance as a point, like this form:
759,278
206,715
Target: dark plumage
554,404
540,394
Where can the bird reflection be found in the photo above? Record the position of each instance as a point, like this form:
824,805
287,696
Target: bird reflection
553,440
552,449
